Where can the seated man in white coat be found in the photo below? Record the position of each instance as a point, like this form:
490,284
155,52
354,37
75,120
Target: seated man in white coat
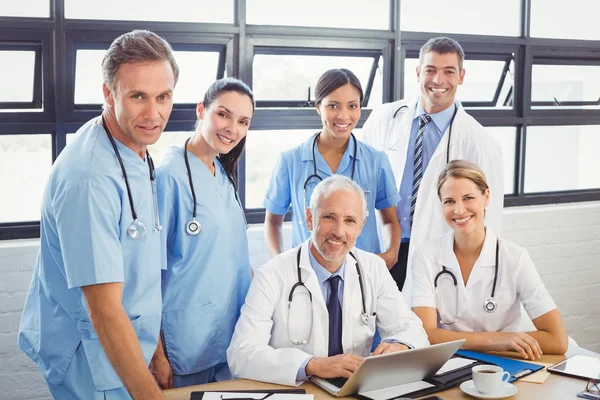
313,310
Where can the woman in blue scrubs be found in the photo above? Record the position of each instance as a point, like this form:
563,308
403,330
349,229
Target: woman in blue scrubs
334,150
204,240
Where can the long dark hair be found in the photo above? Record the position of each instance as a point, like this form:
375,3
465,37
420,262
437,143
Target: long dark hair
332,80
214,91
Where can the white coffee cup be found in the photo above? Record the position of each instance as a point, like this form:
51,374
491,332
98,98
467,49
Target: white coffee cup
489,378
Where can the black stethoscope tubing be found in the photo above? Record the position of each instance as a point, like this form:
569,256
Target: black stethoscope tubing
314,160
489,304
449,130
124,171
360,283
193,226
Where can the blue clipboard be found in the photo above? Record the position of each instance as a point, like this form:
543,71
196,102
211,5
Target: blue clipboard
517,369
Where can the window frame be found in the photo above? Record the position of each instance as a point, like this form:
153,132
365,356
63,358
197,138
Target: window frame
56,38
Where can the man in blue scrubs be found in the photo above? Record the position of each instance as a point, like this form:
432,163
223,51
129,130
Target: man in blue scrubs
92,316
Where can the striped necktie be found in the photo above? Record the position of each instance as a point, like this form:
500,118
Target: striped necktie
418,163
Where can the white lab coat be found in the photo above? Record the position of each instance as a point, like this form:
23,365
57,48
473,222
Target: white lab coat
260,348
518,283
469,141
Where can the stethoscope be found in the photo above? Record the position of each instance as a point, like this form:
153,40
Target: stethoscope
489,304
136,230
364,315
449,131
315,175
193,227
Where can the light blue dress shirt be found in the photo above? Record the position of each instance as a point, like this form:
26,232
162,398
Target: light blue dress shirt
373,173
431,138
207,275
84,241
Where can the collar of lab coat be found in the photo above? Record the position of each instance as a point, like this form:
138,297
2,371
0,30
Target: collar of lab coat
349,270
487,257
307,147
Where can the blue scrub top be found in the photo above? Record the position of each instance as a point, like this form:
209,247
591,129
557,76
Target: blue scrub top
207,275
373,173
84,241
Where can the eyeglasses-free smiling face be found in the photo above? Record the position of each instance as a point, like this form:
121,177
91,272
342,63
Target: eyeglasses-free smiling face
439,76
226,121
340,111
463,205
336,226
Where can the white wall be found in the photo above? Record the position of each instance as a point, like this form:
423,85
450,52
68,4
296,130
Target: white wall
563,240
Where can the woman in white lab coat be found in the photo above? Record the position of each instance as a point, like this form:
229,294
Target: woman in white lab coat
388,129
469,284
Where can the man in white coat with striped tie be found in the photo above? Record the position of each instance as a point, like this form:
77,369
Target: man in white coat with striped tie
420,136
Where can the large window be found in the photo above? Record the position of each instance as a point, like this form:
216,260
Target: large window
289,80
557,19
197,70
355,14
565,86
151,10
531,68
462,16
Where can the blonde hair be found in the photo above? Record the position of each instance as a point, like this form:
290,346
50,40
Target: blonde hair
463,169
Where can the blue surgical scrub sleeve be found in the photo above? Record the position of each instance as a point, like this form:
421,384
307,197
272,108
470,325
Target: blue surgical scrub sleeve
279,193
87,220
387,194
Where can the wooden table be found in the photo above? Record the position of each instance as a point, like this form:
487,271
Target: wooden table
556,387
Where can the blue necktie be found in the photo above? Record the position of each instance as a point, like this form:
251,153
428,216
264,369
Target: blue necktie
418,163
335,317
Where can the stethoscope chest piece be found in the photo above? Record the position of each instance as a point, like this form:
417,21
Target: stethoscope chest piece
490,305
193,227
136,230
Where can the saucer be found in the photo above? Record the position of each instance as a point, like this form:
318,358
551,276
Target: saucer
508,389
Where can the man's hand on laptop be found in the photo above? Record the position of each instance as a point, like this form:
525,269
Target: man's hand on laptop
340,366
385,348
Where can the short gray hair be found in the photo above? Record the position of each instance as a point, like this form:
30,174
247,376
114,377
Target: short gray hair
443,45
138,46
336,183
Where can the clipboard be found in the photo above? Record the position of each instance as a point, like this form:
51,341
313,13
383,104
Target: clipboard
198,395
516,368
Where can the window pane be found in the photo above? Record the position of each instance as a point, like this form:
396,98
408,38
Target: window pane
290,77
158,150
578,19
30,159
16,76
506,137
355,14
565,86
197,70
152,10
482,78
261,159
29,8
462,16
562,158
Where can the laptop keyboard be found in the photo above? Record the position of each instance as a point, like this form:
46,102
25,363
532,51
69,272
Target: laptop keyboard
338,382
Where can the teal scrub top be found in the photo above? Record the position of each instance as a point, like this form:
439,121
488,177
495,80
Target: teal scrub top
373,173
84,241
208,275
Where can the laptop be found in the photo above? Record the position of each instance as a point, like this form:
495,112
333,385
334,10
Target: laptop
393,369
